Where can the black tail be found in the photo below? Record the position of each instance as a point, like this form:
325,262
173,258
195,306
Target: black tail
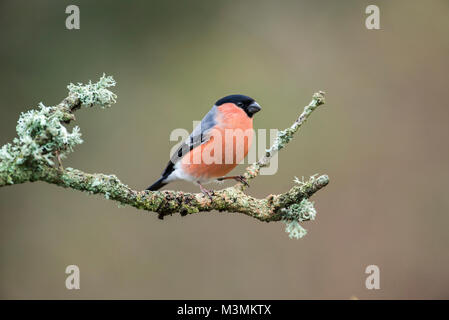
157,185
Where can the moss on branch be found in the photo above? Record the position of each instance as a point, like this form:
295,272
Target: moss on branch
43,140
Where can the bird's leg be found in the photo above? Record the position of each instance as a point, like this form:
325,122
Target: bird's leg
205,191
58,156
236,178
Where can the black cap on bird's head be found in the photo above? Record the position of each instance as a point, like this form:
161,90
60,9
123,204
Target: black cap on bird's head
249,105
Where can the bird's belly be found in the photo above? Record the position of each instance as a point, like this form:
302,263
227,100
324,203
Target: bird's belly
217,157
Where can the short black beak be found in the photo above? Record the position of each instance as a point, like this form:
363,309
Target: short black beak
254,108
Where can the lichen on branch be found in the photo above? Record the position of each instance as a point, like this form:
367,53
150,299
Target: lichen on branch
41,134
43,140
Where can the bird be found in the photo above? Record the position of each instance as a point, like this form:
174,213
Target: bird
216,145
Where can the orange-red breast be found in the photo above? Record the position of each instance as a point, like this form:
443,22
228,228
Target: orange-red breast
215,146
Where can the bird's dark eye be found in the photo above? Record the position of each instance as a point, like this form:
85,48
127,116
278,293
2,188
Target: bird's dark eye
240,104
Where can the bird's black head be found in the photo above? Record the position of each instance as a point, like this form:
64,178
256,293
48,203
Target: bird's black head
249,105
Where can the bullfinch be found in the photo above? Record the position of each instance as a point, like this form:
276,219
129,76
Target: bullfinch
217,144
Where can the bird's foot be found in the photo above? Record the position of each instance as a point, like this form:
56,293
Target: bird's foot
240,179
206,192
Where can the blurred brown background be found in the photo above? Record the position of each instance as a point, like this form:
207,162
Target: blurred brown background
382,139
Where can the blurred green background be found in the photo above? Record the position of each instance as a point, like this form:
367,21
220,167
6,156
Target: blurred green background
382,139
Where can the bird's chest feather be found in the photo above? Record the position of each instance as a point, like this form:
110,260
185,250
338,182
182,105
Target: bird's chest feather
232,117
228,145
235,129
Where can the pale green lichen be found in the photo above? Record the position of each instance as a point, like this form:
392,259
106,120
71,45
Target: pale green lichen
41,135
302,182
295,230
298,212
303,211
95,93
282,138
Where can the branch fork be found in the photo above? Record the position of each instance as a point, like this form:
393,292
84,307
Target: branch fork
43,140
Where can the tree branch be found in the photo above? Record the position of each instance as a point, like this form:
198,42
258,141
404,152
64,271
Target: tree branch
43,140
